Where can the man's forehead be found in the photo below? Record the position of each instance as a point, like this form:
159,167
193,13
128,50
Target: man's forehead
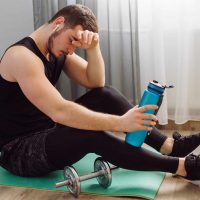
75,31
78,28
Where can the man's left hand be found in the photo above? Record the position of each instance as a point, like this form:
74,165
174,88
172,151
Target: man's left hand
86,39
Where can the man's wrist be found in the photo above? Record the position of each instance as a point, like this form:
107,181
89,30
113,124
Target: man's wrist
115,123
93,48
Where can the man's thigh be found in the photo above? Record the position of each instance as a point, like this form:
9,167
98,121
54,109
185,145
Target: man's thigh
26,156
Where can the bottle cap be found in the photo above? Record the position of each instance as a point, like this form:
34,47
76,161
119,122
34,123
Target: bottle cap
157,84
157,87
162,86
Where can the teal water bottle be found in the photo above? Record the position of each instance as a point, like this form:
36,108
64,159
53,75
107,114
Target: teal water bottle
153,95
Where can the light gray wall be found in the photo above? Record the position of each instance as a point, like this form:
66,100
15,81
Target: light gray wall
16,21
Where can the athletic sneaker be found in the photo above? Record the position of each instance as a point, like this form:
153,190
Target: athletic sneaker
192,166
183,145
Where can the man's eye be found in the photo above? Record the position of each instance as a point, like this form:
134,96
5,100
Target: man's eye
71,41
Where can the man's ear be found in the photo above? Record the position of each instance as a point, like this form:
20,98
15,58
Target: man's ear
58,23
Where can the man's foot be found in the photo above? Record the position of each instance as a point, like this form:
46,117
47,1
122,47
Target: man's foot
183,145
192,166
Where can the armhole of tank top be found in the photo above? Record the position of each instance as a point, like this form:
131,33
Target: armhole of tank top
5,52
3,55
2,58
11,47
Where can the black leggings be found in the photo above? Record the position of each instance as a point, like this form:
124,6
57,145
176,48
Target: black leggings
66,145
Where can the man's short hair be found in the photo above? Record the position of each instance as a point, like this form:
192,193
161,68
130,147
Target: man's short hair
77,15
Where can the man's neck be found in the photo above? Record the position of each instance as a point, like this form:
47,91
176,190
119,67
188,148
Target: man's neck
41,36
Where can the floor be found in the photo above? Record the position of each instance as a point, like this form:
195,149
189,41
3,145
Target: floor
172,188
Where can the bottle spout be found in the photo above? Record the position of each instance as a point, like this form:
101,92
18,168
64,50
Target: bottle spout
168,86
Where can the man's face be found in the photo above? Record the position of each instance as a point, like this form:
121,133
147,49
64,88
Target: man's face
60,42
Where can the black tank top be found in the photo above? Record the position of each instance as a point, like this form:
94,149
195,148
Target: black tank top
18,116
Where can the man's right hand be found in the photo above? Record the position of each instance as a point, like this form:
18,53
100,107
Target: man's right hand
135,119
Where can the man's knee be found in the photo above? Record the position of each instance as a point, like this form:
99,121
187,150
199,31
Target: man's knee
106,91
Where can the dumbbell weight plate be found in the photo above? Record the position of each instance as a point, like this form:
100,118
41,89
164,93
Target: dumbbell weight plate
106,179
74,183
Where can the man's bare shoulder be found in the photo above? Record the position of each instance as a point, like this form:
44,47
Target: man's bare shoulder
19,52
18,59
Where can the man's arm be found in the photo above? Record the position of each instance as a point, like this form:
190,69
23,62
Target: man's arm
28,71
90,73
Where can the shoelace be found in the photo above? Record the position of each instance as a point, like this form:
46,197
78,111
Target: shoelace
193,156
176,135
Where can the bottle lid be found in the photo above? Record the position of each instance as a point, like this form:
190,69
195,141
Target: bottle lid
156,83
156,86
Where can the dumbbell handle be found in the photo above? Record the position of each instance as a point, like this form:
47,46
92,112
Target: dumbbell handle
84,177
62,183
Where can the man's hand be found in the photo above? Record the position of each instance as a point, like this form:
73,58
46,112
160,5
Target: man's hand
135,119
86,39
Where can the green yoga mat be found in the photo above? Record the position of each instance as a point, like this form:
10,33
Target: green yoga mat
124,182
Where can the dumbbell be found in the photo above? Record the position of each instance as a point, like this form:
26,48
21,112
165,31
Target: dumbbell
102,171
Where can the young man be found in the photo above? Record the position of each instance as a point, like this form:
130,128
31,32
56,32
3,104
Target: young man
40,131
